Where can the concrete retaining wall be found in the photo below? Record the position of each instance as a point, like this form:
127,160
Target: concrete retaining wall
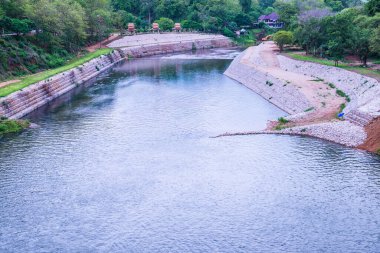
281,94
363,91
165,48
25,101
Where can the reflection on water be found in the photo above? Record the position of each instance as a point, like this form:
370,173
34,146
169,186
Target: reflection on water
128,166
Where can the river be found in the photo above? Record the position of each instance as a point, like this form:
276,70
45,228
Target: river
128,165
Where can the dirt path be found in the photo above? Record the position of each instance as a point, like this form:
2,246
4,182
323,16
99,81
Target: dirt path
103,44
3,84
323,98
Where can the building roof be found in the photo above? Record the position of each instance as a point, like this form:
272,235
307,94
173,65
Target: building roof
272,16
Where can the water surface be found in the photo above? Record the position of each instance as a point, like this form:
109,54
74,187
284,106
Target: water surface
128,166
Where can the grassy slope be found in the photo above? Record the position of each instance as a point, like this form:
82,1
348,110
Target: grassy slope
364,71
31,79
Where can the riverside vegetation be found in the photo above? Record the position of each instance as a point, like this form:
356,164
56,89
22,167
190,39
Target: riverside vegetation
8,126
43,34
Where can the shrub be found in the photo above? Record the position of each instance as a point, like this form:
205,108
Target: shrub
12,126
166,24
227,32
282,38
282,120
341,93
332,86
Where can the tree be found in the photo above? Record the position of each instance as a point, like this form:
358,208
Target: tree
148,8
166,24
372,7
266,3
335,5
73,24
245,5
282,38
173,9
287,12
121,20
242,19
375,41
308,35
19,26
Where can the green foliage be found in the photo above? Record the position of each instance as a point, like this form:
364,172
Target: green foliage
8,126
282,120
246,5
166,24
192,25
173,9
248,39
332,86
372,7
227,32
282,38
281,123
342,94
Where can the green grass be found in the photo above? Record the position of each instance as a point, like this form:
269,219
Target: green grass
31,79
8,126
361,70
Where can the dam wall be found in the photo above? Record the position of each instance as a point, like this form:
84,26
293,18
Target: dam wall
278,92
27,100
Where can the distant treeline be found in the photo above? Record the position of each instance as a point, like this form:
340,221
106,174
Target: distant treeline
63,27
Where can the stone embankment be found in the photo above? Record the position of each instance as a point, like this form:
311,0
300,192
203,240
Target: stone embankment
25,101
155,44
279,92
312,86
364,92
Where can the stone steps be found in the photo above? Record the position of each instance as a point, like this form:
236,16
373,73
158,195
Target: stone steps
358,118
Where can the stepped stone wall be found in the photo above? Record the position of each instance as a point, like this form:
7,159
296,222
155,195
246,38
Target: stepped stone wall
364,92
284,96
25,101
22,102
172,47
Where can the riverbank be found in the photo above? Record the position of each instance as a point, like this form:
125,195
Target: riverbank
18,104
313,95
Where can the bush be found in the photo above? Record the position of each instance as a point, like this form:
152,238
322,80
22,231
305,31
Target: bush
227,32
189,24
282,120
282,38
166,24
12,126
